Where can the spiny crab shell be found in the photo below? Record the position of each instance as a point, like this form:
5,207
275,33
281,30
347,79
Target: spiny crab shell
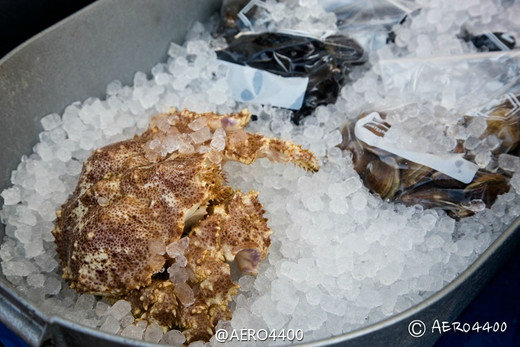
159,201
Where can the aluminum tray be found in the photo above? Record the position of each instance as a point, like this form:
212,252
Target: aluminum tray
108,40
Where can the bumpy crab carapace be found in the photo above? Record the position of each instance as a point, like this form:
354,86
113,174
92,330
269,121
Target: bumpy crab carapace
153,222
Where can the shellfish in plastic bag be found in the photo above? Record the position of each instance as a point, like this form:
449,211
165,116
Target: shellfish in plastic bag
412,177
325,62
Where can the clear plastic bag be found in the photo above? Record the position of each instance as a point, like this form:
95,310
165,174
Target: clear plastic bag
489,41
455,82
369,21
233,17
502,116
368,14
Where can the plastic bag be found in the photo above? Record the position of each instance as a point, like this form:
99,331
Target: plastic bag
325,62
489,41
458,82
502,117
411,177
368,14
233,17
369,21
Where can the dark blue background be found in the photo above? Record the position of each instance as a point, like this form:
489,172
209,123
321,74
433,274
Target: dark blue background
498,302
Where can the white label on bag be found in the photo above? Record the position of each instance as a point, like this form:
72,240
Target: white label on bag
451,164
248,84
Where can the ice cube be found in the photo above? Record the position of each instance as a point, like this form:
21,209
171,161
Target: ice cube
178,274
483,158
506,162
174,338
133,332
218,141
114,87
110,325
201,135
36,280
51,286
120,309
51,121
153,333
184,294
178,247
85,302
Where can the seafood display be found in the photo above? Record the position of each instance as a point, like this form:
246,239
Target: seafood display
152,221
399,179
163,235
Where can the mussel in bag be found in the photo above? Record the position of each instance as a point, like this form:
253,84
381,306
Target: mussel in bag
401,180
326,63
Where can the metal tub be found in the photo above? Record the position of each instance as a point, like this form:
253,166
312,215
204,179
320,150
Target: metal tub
110,40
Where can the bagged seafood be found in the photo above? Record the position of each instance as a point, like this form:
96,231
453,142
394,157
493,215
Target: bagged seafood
463,181
325,62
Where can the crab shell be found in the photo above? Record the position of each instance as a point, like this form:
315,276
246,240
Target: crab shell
131,202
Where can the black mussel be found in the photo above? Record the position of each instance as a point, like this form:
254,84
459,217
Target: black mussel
430,196
381,178
444,181
360,156
413,174
459,202
361,153
487,187
452,200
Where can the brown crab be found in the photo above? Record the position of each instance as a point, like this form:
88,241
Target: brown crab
159,201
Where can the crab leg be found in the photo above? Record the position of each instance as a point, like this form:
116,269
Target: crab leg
246,147
241,145
237,230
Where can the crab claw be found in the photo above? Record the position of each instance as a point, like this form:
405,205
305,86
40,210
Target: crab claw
248,260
